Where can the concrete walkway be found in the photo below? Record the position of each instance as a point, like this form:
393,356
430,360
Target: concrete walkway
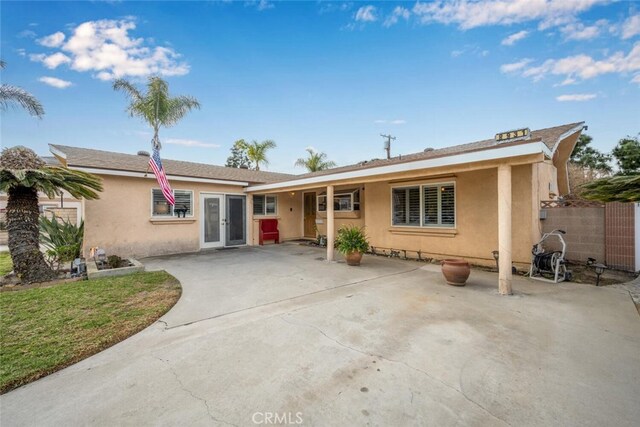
383,344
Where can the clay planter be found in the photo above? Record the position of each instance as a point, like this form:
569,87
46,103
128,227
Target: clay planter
456,271
353,258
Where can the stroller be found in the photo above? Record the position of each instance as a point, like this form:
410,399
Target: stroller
549,266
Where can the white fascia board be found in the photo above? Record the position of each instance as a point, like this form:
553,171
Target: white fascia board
53,150
150,175
457,159
566,134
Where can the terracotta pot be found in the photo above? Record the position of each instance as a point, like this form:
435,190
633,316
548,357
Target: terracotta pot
353,258
456,271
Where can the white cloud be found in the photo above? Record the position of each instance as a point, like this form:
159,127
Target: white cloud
398,12
366,14
52,40
190,143
585,67
391,122
55,82
577,97
471,14
106,48
513,38
264,5
636,79
51,61
515,66
27,34
579,31
456,53
631,27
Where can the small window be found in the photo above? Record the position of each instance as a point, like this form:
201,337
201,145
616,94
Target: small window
406,206
265,205
160,206
345,200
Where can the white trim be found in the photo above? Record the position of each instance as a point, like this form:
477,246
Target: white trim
420,187
221,206
173,215
150,175
265,213
458,159
566,134
57,152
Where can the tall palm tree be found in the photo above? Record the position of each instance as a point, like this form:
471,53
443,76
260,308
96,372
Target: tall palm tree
14,95
257,151
316,161
155,106
22,175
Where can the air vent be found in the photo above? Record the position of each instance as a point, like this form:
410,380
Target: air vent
143,153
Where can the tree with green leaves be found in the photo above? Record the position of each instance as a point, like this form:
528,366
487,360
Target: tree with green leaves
589,158
257,152
315,161
22,175
238,157
627,155
16,96
156,106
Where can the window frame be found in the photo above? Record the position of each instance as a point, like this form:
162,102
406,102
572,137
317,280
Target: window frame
171,208
264,204
352,201
421,186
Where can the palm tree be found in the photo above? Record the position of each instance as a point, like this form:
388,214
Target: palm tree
22,175
257,151
12,95
315,162
155,106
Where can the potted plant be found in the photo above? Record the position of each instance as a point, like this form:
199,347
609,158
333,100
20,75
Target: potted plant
352,243
456,271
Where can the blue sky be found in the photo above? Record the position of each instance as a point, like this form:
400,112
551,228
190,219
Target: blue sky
330,75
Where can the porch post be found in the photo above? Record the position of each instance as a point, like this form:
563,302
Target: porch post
504,229
330,223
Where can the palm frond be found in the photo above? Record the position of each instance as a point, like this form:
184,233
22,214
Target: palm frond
127,88
13,95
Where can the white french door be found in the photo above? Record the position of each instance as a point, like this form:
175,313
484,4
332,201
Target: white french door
212,208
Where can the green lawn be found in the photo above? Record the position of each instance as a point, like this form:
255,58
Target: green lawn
5,263
43,330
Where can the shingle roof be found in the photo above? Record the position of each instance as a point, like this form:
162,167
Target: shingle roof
89,158
84,157
548,136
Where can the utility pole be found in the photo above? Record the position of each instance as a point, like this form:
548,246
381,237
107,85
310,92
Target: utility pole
387,144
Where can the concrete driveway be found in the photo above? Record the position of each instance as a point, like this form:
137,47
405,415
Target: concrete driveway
274,331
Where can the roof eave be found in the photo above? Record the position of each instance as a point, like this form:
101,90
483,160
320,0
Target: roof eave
498,153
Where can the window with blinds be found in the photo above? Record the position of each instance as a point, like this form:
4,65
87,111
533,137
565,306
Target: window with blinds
160,206
406,206
264,205
429,205
344,200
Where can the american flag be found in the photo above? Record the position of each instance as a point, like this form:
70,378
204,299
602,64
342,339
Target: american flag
158,171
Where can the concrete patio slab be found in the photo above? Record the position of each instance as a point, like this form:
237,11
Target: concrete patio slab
384,344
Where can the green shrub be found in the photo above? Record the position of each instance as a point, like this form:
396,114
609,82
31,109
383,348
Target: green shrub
62,239
351,238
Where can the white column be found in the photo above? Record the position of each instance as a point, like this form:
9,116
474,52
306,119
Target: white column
504,229
330,223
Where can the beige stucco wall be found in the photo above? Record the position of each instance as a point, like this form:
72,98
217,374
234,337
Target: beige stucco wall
289,214
120,221
476,231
